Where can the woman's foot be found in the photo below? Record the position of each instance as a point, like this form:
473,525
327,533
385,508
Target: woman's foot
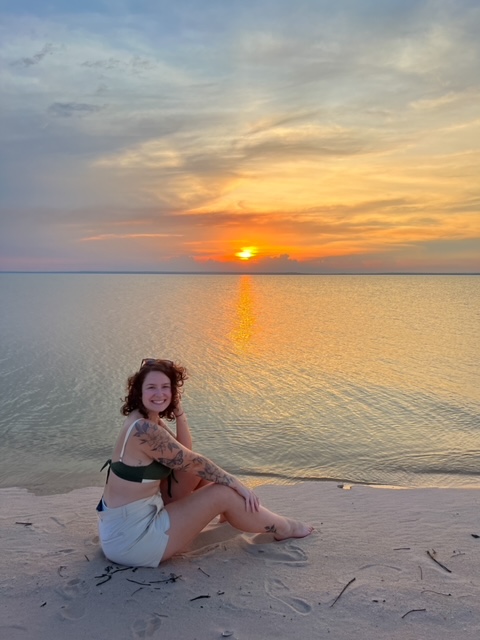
295,529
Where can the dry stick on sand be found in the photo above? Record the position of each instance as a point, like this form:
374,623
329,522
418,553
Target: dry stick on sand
341,592
439,563
172,578
109,573
411,611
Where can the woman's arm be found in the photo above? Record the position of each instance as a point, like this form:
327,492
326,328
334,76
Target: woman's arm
183,430
159,445
165,426
183,434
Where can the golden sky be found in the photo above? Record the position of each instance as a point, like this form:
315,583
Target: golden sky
329,137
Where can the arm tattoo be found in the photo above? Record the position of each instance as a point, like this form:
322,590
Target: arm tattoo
174,463
161,443
211,472
156,438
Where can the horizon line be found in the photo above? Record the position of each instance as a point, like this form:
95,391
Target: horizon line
252,273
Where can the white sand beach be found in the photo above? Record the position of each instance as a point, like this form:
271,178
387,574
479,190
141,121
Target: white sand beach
383,563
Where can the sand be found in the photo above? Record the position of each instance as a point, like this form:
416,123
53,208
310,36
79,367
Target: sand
382,563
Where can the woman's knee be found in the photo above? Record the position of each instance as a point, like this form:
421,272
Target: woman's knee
221,493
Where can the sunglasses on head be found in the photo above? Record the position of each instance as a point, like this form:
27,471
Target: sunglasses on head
148,362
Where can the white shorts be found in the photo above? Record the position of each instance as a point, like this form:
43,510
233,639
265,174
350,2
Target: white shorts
135,534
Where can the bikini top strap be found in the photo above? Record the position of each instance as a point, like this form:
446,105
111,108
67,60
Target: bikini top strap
129,431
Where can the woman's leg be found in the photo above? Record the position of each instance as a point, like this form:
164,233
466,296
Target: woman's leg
191,514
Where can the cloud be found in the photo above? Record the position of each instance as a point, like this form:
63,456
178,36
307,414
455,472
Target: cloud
132,65
129,236
69,109
320,126
48,49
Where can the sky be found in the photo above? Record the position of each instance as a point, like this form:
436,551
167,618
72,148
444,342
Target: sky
255,135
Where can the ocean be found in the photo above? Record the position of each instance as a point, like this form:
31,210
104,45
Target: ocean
359,379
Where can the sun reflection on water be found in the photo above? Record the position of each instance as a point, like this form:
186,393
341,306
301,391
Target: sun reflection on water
245,318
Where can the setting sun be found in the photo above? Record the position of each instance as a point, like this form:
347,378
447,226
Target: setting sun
247,252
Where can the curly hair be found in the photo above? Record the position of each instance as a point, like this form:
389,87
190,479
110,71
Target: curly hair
133,400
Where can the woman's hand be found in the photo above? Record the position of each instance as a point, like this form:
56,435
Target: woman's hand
252,503
162,446
178,410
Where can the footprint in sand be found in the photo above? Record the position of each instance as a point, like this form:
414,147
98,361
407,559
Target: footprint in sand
73,610
146,627
74,589
12,632
59,552
277,589
383,570
275,552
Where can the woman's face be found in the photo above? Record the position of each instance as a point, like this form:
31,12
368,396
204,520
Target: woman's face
156,391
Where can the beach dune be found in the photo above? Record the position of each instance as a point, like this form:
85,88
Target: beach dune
381,563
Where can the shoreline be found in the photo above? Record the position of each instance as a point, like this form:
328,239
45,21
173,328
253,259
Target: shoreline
371,569
51,488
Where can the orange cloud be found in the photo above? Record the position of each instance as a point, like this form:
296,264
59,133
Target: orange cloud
128,236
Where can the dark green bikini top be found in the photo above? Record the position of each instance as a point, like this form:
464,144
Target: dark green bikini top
152,472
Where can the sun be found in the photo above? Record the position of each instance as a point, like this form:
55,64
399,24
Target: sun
247,252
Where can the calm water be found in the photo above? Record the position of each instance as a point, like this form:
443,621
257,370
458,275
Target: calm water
370,379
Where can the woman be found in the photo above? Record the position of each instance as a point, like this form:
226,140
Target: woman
136,526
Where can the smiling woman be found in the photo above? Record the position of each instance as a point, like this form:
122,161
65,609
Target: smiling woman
137,522
246,253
